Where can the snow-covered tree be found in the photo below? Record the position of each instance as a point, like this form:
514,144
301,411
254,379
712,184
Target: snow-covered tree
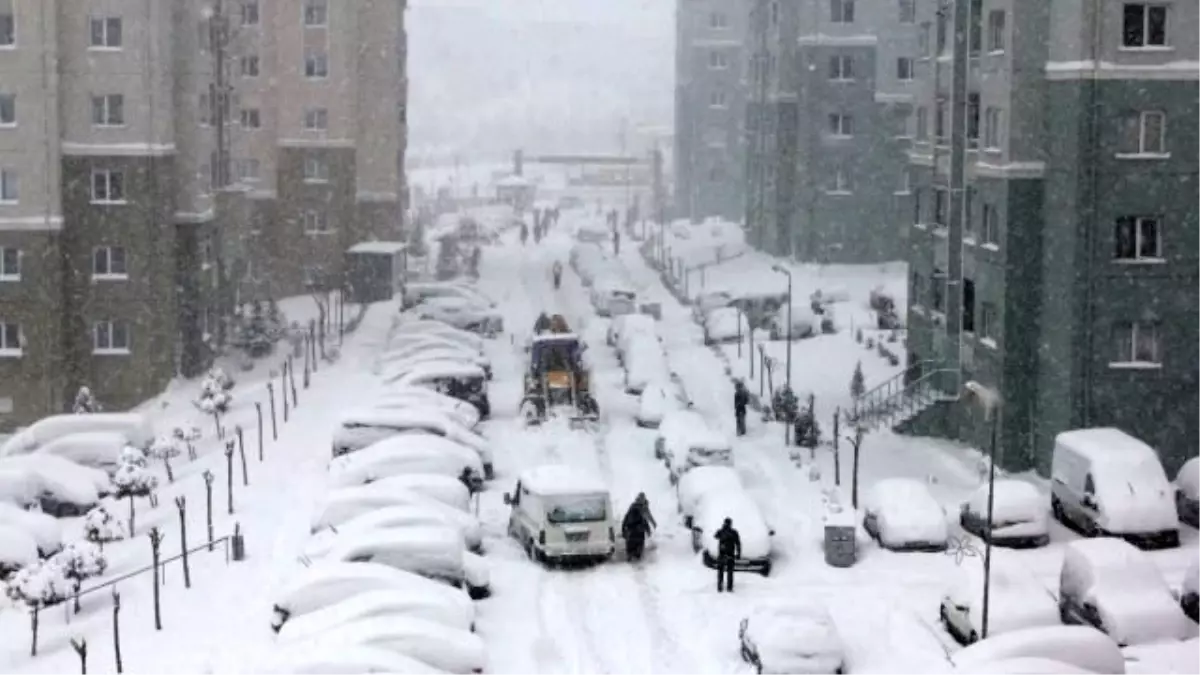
276,321
257,334
39,585
858,385
188,437
99,526
214,392
85,402
132,480
165,448
79,560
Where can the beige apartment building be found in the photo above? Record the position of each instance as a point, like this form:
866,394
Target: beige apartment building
123,241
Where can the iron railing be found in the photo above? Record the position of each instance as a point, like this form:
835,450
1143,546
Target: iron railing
900,398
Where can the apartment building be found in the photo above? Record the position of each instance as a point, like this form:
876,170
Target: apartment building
1080,228
827,168
711,74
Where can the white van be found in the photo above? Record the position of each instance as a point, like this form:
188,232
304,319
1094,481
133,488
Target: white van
560,513
1104,481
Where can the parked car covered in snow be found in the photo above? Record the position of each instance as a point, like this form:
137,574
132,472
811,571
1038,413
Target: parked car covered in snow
398,517
645,362
341,660
400,455
431,551
1106,482
416,292
462,314
340,506
58,486
560,513
686,441
804,323
1187,492
613,297
707,301
397,362
725,324
901,515
703,480
136,428
1080,647
444,489
96,449
386,602
1015,603
657,399
18,549
448,649
411,330
1109,584
625,326
464,381
361,428
748,520
325,584
45,531
462,412
792,637
1019,517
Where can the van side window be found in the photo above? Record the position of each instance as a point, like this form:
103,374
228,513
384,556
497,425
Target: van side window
1089,486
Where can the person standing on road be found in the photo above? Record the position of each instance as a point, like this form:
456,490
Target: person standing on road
557,271
729,549
524,233
616,241
636,526
741,399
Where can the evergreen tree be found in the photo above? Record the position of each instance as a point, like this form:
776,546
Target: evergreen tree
258,340
85,402
857,383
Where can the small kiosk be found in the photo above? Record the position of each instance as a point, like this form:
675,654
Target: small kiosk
515,191
375,271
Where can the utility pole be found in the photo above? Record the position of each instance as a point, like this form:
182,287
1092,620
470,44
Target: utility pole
958,141
660,197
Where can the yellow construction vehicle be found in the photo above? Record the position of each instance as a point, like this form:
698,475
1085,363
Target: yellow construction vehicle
557,375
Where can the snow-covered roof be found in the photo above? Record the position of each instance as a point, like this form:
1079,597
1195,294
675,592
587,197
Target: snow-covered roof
557,480
434,369
382,247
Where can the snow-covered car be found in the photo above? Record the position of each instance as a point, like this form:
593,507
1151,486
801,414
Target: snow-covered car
645,363
97,449
384,602
1081,647
613,297
593,233
340,660
18,549
431,551
1019,516
1109,584
445,489
449,649
703,480
460,411
363,428
1187,492
462,314
410,330
60,487
792,637
397,362
1189,593
622,327
748,520
136,428
706,302
400,455
1015,602
902,515
804,323
657,400
417,292
1027,666
464,381
341,505
686,441
398,517
324,584
45,531
725,324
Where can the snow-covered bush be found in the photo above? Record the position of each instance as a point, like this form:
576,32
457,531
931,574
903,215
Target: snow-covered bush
858,384
39,585
165,448
85,402
214,392
132,456
99,526
132,480
276,321
256,336
80,560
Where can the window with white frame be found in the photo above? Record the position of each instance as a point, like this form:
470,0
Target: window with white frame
316,13
316,119
8,110
841,11
989,230
996,24
10,264
718,20
1144,25
1138,238
314,222
10,338
110,337
718,60
108,262
716,99
247,169
841,67
251,118
904,68
315,170
108,186
841,183
908,11
1136,342
1143,133
8,24
108,110
249,64
10,186
250,15
988,321
993,128
106,32
316,63
841,125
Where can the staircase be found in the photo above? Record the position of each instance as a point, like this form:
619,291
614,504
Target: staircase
901,398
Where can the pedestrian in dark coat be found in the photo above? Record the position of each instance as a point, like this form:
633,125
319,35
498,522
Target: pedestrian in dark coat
542,324
741,399
616,242
524,233
636,526
729,549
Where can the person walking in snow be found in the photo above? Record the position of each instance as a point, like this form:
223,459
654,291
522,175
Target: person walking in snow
636,526
616,241
741,399
729,549
524,233
557,272
542,324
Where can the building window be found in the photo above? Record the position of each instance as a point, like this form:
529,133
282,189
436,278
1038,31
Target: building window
908,11
973,120
8,110
718,21
939,123
110,337
10,338
996,21
1145,25
841,11
904,68
923,41
841,125
940,47
250,118
1136,342
718,60
316,119
905,182
314,222
972,196
941,206
316,64
993,121
8,24
205,110
247,169
937,287
1138,238
106,32
968,306
315,170
10,186
990,225
922,123
841,184
108,110
716,99
1143,133
841,67
316,13
10,264
108,186
987,321
249,12
250,65
975,45
108,262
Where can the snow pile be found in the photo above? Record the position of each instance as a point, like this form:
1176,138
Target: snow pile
450,649
44,530
1079,646
98,449
137,430
405,454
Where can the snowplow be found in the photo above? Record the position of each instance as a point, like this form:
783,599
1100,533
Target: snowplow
557,377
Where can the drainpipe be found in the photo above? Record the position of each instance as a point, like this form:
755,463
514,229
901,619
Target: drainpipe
958,140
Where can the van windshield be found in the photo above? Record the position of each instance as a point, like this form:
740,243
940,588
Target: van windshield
583,510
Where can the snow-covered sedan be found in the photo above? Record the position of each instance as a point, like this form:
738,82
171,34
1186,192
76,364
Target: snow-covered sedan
413,330
418,397
448,649
725,324
421,291
748,520
464,381
44,530
804,323
1081,647
902,515
686,441
657,399
406,454
398,517
1019,515
645,363
361,428
462,314
445,489
1015,602
434,350
382,602
792,637
340,660
435,552
345,504
1187,492
701,481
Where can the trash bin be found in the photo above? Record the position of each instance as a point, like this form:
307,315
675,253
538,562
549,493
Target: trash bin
840,545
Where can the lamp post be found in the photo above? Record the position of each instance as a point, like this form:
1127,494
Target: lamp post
787,272
991,408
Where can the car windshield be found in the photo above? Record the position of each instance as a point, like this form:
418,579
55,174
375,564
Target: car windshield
582,510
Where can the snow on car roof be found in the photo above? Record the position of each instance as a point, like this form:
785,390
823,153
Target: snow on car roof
137,428
17,546
1188,478
1113,559
384,247
1014,500
335,659
1080,646
899,494
1107,445
445,541
425,416
560,480
436,369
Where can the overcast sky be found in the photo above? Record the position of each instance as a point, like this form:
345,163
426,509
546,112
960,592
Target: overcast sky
488,76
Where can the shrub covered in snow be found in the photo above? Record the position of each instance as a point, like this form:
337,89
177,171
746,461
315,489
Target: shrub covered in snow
38,585
165,448
214,392
132,456
132,480
99,526
85,402
858,384
80,560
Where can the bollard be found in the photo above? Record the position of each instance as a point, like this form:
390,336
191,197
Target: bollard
238,544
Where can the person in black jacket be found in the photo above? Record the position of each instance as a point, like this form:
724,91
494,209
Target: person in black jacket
636,526
741,399
729,549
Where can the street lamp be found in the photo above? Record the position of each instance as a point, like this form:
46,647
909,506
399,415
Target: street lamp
781,270
991,408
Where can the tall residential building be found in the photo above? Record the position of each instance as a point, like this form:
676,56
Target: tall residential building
710,97
829,125
122,245
1080,232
